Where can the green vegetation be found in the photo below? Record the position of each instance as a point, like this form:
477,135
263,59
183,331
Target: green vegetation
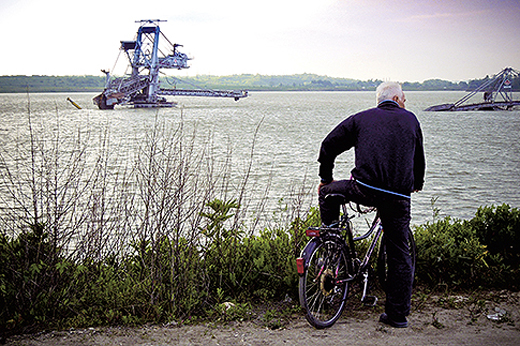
170,280
481,252
89,239
299,82
18,84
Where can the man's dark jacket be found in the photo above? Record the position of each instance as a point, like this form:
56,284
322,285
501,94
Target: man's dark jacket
388,148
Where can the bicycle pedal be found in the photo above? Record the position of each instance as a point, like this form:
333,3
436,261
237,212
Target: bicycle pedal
370,300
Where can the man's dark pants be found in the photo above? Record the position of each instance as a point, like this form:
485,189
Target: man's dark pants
395,217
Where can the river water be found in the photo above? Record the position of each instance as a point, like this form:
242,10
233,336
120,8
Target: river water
473,158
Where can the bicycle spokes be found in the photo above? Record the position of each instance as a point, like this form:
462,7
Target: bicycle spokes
328,265
325,284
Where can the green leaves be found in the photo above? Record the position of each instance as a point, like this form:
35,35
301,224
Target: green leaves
220,270
499,228
481,251
220,213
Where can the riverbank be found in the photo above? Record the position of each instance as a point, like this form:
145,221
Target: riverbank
491,318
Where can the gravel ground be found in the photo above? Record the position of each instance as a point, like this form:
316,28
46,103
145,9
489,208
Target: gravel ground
493,319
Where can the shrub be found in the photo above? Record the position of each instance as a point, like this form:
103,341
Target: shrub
480,252
29,280
449,252
257,267
499,228
183,279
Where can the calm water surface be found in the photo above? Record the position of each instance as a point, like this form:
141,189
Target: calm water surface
472,157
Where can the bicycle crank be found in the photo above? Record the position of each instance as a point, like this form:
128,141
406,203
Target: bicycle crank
366,299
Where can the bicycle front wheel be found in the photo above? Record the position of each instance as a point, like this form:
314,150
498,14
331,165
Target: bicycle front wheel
324,286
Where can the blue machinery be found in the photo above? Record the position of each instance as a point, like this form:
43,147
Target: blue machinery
142,88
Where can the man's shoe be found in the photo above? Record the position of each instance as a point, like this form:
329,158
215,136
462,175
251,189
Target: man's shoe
396,324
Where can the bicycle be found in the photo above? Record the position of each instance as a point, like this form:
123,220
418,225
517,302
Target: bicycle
329,263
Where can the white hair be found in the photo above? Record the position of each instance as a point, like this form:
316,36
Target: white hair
387,91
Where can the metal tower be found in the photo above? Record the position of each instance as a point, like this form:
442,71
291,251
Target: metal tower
147,57
498,95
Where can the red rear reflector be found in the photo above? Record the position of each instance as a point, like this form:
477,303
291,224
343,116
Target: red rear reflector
300,265
312,232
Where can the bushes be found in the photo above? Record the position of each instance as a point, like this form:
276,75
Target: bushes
148,238
29,282
159,281
499,228
157,239
183,279
449,252
483,251
252,268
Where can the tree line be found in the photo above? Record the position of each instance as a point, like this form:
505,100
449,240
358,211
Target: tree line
255,82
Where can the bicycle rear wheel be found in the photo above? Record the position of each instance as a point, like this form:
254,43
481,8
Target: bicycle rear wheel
382,268
323,288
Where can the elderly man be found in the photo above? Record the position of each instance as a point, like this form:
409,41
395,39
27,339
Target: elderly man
389,166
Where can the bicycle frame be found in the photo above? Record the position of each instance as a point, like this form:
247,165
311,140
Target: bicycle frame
320,235
376,227
329,265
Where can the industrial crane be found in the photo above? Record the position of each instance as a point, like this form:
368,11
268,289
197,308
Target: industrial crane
497,95
141,89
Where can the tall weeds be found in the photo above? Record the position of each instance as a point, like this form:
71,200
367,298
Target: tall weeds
89,236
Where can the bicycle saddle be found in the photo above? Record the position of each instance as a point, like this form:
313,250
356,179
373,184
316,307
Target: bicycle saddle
337,196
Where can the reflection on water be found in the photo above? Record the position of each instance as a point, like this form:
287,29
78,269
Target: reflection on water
472,157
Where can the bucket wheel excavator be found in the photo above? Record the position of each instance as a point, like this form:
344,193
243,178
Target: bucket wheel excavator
141,88
497,95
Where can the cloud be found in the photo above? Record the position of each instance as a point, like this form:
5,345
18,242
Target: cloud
402,40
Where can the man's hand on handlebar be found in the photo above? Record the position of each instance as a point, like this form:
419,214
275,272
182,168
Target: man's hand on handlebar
323,184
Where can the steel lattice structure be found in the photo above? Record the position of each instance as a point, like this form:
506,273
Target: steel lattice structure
147,57
498,95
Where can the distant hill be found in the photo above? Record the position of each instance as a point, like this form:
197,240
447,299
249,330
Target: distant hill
298,82
18,84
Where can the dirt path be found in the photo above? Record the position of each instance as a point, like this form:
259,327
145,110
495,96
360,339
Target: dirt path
456,320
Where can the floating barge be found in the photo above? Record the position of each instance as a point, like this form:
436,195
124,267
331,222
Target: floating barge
497,95
141,88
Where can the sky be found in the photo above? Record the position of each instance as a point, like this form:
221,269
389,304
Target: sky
399,40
